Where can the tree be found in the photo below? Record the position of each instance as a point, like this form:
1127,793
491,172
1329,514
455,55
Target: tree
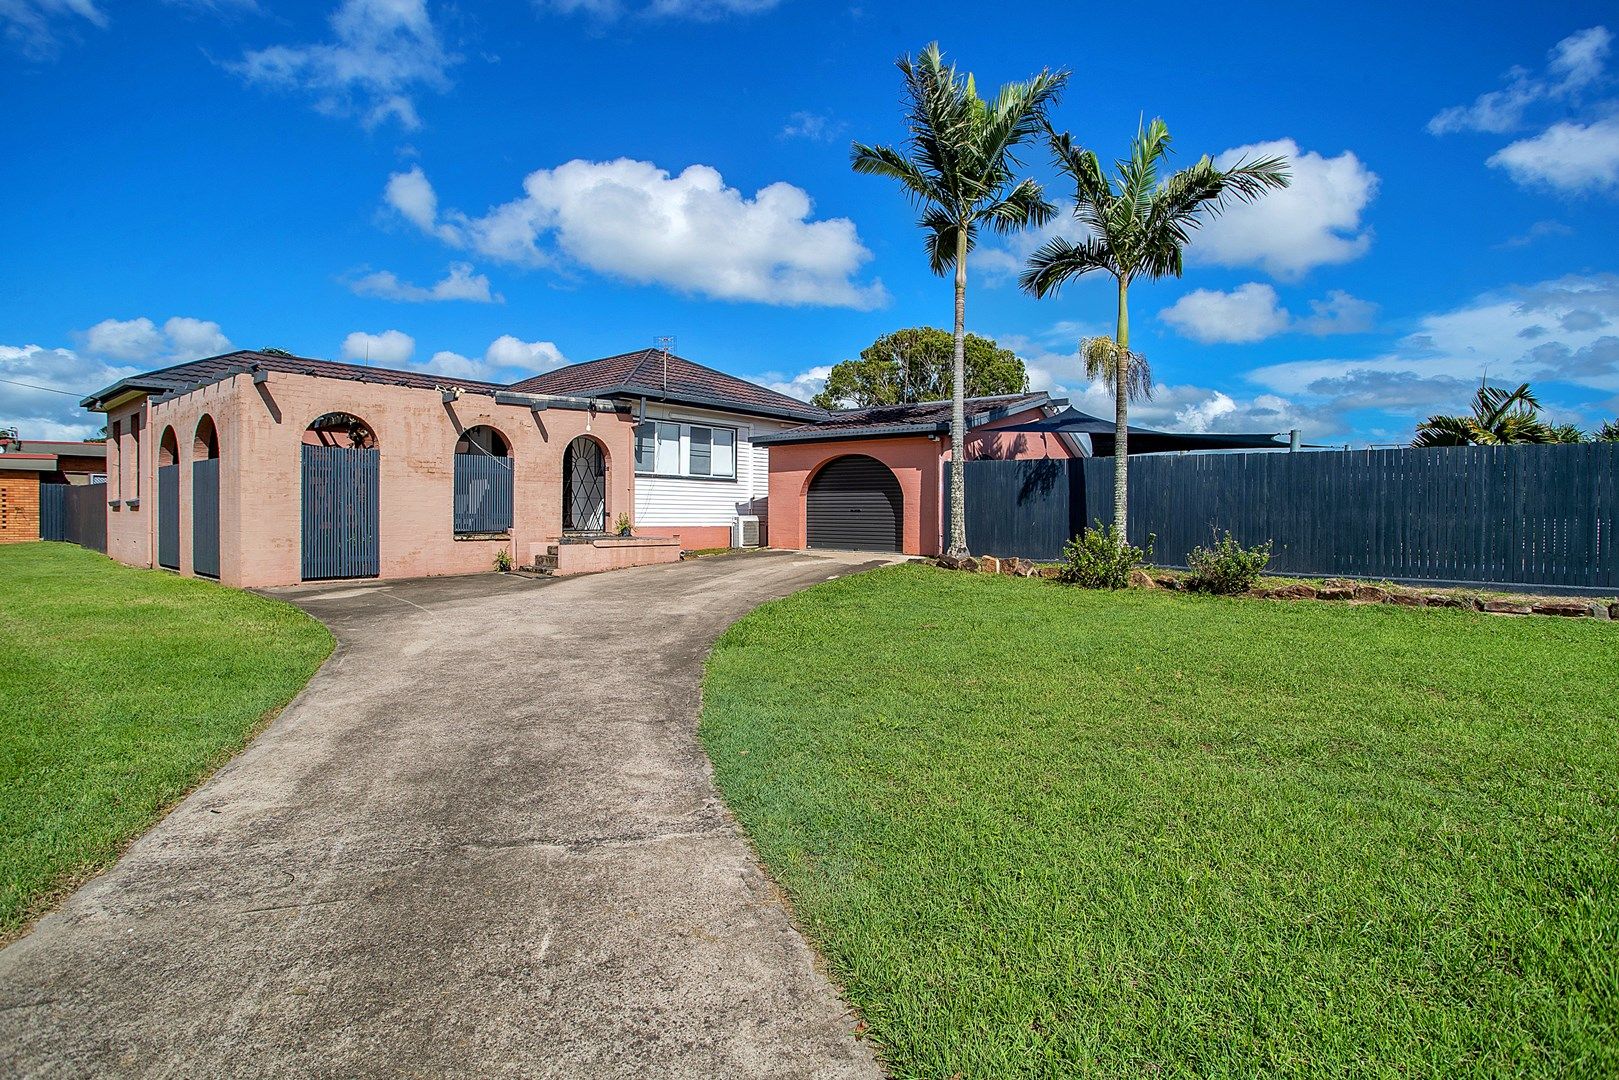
1566,433
1499,418
958,168
1608,432
1137,229
915,365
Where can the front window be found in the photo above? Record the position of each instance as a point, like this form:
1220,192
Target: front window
666,448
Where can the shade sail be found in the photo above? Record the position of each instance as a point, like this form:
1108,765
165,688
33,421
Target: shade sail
1145,440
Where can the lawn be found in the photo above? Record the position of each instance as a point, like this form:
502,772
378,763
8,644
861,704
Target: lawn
119,690
1039,831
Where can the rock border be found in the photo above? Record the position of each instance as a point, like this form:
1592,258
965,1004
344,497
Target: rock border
1342,590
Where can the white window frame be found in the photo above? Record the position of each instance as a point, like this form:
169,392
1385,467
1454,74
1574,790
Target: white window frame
682,469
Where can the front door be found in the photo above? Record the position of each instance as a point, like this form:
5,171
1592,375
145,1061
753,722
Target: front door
584,487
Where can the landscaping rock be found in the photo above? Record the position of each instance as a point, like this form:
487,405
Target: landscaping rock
1567,609
1140,579
1025,568
988,564
1600,611
1051,572
1406,599
949,562
1294,592
968,563
1447,600
1330,591
1371,594
1506,607
1166,581
1613,611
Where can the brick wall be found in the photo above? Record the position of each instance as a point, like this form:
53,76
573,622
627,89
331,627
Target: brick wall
19,506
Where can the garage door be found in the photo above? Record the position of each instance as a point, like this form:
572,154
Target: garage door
854,504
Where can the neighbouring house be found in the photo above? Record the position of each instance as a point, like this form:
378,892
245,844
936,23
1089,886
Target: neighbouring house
873,479
261,469
30,470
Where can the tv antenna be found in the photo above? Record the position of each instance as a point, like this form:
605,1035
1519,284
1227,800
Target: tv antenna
666,345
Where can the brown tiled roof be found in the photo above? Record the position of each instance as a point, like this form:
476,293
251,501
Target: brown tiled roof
642,373
920,418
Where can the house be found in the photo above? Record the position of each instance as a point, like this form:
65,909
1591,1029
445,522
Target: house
30,472
263,469
873,479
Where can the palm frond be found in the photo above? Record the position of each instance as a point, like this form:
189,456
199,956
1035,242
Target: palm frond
1023,207
1102,355
888,162
1446,431
940,230
1060,259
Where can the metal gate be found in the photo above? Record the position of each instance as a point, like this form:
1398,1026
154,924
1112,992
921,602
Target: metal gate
168,516
584,488
854,503
340,512
53,511
205,517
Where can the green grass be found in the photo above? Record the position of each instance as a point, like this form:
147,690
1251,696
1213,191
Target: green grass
119,690
1038,831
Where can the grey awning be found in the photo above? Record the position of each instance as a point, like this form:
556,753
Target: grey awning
1146,440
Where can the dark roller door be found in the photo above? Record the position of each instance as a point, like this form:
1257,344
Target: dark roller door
854,504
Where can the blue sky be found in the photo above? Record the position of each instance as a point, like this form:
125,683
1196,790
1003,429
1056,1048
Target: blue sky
488,190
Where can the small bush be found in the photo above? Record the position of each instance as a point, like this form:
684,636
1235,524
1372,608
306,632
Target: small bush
503,560
1227,567
1099,558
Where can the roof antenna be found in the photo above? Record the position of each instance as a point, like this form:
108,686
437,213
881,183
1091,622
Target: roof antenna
665,344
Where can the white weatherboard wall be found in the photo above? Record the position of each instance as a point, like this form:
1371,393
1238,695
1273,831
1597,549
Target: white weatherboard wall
669,501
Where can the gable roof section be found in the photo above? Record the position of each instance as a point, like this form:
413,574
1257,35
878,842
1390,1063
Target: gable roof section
921,418
642,374
195,373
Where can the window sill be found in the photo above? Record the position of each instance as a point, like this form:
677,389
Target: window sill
507,535
132,504
682,476
115,503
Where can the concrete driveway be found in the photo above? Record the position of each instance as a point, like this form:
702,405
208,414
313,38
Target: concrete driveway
482,842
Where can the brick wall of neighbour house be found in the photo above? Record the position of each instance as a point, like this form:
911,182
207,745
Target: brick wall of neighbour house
19,506
916,461
76,469
260,432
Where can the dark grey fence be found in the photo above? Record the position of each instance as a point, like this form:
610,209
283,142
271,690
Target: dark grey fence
205,517
340,513
483,493
76,514
1531,516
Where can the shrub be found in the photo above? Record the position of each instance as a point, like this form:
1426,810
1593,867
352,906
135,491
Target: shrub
1099,558
503,560
1227,567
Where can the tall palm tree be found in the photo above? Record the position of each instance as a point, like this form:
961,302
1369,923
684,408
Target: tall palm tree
1137,229
1499,418
958,167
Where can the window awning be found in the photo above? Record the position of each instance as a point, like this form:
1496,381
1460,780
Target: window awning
1146,440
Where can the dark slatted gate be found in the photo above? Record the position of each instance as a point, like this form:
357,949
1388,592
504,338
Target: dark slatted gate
340,513
168,516
854,504
53,511
205,517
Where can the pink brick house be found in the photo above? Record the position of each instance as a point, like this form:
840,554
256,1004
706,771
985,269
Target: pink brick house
261,469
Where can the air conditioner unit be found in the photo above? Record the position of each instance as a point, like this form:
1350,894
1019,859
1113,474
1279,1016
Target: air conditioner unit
745,531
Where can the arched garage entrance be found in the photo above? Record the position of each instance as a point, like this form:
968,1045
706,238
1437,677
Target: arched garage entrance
854,503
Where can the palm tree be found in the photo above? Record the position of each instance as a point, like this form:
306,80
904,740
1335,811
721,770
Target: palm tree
958,168
1137,229
1499,418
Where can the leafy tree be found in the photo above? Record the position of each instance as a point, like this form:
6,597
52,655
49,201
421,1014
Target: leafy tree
958,168
1608,432
1137,228
1499,418
915,365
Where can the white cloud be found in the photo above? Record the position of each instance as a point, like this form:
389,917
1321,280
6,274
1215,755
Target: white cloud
803,386
382,52
1540,230
35,27
507,359
701,10
460,283
634,221
1252,312
816,127
389,348
1574,64
1247,313
1316,221
1568,156
112,349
